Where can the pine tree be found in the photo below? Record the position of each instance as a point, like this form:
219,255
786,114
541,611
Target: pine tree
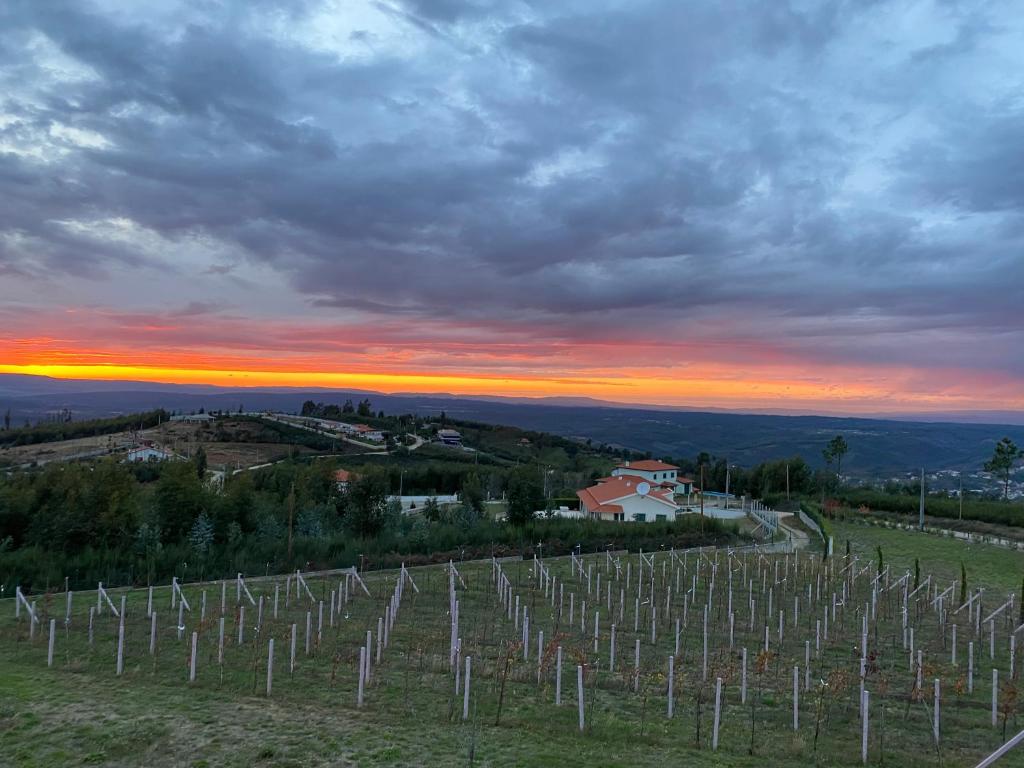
200,537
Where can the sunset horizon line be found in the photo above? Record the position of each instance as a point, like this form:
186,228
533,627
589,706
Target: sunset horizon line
483,386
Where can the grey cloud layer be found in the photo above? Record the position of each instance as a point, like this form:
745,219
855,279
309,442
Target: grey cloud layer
843,178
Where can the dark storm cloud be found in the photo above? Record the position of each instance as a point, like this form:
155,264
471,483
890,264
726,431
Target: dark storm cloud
798,171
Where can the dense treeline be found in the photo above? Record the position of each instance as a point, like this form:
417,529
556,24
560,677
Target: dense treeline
983,510
413,541
48,432
764,479
123,523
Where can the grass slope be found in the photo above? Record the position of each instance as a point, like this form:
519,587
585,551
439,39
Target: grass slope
80,713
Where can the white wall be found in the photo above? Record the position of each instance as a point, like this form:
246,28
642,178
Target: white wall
645,505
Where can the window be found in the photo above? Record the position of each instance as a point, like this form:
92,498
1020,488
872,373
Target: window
620,516
660,518
640,517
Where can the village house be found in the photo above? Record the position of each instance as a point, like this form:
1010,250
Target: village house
450,437
342,477
148,452
369,433
627,498
658,474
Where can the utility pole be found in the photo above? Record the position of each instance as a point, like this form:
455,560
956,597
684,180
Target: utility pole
726,483
960,475
787,481
291,518
920,512
702,496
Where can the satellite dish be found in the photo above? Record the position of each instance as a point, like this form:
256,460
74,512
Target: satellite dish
642,489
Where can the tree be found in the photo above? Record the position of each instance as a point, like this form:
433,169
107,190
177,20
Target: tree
473,493
200,459
366,504
200,536
834,452
178,499
365,408
348,407
1001,464
431,510
525,495
309,408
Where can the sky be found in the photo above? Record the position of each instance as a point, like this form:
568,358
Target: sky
751,205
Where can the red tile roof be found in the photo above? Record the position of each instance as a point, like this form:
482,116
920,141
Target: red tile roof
620,487
647,465
343,476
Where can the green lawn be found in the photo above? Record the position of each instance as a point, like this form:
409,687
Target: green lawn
996,567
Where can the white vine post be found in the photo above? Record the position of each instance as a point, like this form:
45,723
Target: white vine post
30,607
796,698
970,667
175,593
995,697
671,684
192,658
101,595
49,652
241,588
579,692
743,678
362,676
718,714
270,666
220,641
465,689
120,647
864,706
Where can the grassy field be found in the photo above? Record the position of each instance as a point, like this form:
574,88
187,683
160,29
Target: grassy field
79,712
997,567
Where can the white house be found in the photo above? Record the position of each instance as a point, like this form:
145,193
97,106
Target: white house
149,453
658,474
627,498
342,477
449,437
369,433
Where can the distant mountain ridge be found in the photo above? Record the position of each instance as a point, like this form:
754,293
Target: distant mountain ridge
877,446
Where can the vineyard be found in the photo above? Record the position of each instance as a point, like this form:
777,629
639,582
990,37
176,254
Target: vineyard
716,656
